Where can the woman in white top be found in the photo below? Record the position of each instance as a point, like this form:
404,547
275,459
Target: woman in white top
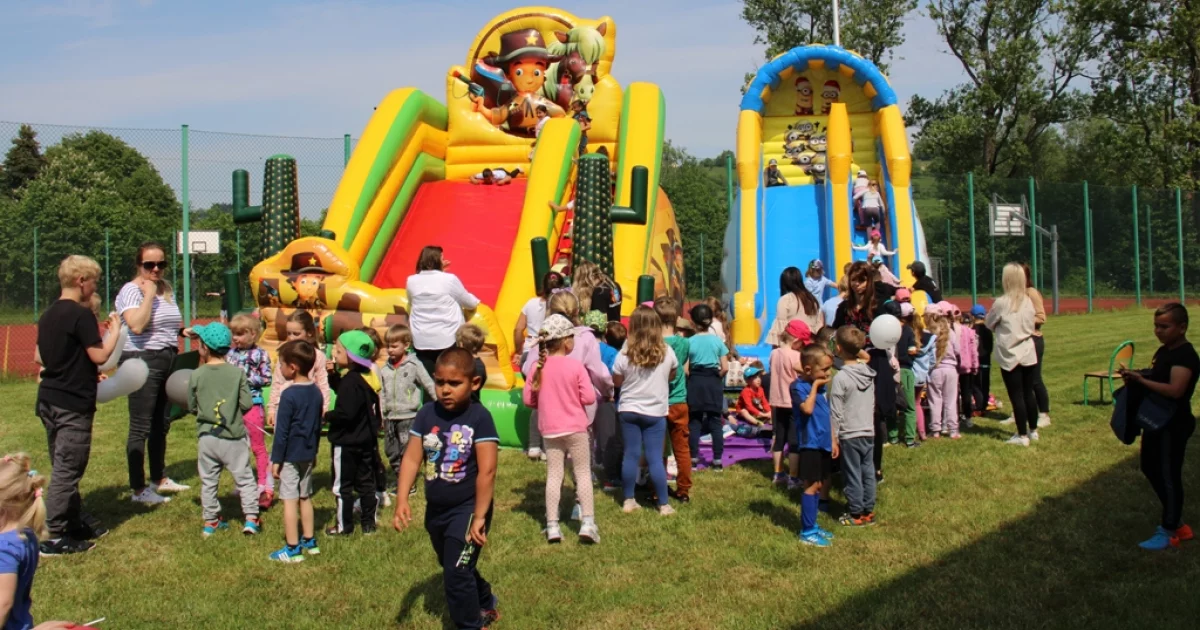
147,306
436,300
870,205
795,302
532,316
1011,319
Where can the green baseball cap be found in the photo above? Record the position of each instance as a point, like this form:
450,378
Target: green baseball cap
215,336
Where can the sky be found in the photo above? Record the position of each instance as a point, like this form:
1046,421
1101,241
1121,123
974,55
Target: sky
317,69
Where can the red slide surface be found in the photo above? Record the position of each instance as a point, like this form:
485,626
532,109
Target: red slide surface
475,225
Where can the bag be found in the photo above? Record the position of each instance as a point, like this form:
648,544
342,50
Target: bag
1155,411
1127,432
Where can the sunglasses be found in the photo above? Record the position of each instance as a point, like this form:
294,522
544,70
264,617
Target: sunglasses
151,265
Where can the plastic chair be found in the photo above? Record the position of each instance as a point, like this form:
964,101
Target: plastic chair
1123,354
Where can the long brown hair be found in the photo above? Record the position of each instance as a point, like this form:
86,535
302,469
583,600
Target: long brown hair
163,287
861,271
792,281
645,346
430,259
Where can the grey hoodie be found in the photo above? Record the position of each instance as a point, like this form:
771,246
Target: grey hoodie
400,398
852,401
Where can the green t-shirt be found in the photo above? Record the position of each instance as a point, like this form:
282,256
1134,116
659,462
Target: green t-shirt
219,395
680,346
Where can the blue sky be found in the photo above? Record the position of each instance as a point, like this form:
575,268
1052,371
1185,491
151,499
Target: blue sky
318,68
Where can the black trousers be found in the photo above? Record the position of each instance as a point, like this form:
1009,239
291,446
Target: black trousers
1019,384
428,359
69,438
1162,464
966,394
882,421
148,423
354,472
981,386
607,433
467,593
706,423
1039,386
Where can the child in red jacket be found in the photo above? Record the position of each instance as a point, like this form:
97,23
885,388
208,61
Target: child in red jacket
752,406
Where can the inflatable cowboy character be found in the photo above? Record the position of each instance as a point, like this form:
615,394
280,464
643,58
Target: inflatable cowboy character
305,277
524,61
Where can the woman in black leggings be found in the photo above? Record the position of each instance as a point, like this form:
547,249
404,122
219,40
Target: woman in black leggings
1172,375
1011,319
1039,346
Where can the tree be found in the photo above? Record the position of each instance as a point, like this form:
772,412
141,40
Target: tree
872,27
699,203
22,163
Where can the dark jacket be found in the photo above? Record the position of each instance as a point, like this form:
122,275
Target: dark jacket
354,419
926,284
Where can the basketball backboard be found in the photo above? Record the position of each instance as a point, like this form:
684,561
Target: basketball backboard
200,241
1007,219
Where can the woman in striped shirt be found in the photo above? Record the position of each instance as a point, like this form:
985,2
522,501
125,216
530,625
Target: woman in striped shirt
147,306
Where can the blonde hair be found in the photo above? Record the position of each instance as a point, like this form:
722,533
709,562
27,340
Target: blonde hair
545,347
1014,282
74,268
244,323
587,277
399,333
940,327
21,495
645,346
470,338
566,304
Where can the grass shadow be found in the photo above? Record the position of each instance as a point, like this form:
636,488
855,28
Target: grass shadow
431,592
784,517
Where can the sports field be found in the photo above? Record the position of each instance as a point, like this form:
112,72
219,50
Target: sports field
973,534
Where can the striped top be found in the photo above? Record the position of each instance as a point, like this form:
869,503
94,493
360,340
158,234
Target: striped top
165,321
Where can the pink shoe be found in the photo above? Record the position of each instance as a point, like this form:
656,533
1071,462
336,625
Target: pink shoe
955,436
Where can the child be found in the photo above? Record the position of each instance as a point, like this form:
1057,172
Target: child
817,443
667,310
645,370
615,334
923,363
532,315
852,412
70,349
294,453
458,441
783,363
559,389
403,378
255,363
580,114
353,427
986,343
943,382
708,362
752,404
219,395
685,328
875,249
906,353
869,205
471,338
861,182
381,477
968,366
543,117
300,325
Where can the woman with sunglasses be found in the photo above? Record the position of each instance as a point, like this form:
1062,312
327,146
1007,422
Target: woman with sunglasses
147,306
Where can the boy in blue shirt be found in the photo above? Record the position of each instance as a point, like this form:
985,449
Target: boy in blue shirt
457,441
297,437
816,442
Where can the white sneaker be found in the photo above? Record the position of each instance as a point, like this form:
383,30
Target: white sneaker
589,533
170,485
665,510
1033,436
150,497
383,498
1043,419
1018,439
631,505
1009,420
553,533
534,453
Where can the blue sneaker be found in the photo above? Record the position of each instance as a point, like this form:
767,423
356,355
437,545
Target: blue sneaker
212,527
824,533
814,539
252,526
309,545
288,554
1159,541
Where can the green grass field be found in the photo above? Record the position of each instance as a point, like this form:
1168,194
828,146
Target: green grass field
974,534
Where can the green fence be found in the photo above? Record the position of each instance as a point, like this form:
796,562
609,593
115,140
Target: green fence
1127,242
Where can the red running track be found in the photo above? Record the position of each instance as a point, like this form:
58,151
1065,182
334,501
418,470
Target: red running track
1071,305
476,227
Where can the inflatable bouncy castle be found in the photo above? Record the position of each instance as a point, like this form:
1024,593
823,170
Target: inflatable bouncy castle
822,114
532,101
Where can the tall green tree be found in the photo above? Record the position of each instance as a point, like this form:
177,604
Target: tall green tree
874,28
22,163
699,202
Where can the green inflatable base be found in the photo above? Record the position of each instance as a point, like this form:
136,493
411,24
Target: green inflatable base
510,415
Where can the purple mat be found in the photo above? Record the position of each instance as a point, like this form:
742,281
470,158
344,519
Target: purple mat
738,449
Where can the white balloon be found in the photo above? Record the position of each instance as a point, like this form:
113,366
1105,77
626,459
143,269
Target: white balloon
177,387
885,332
129,378
115,357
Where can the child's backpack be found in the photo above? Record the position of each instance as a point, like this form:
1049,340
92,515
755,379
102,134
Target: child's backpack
924,360
968,350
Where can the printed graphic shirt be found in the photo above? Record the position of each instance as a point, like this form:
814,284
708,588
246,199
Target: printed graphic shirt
256,364
449,440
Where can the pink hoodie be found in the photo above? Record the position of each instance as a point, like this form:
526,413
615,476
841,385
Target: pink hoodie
587,352
565,392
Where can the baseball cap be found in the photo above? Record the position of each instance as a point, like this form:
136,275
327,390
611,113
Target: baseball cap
556,327
933,309
215,336
948,308
816,264
752,371
906,309
800,330
917,267
596,320
773,162
903,294
359,347
875,234
978,311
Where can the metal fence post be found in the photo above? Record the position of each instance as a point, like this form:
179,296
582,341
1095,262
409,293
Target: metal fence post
1054,263
1137,251
1179,239
949,261
1033,236
992,233
36,304
1087,226
1149,250
107,274
703,278
346,149
971,218
187,211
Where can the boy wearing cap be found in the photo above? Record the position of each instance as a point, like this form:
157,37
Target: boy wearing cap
922,282
772,176
983,383
354,423
752,405
219,396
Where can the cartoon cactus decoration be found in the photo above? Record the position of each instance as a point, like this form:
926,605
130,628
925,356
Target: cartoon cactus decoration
592,238
280,209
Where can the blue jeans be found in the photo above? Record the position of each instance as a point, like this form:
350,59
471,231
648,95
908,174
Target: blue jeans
648,432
